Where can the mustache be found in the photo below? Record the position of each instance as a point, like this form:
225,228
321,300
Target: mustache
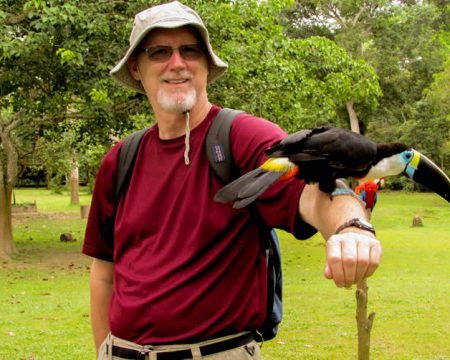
181,75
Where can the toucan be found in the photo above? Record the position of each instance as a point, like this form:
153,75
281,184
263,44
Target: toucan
324,154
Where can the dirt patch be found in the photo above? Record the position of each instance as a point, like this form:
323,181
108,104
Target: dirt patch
24,208
42,255
45,258
20,218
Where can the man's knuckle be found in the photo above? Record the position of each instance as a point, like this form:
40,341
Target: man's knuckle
334,259
350,260
364,262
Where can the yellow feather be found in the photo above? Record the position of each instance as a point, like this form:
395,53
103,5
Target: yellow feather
278,165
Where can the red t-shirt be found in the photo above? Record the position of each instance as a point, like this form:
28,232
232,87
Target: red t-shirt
187,268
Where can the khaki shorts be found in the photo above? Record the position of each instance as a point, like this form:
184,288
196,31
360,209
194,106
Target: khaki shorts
250,351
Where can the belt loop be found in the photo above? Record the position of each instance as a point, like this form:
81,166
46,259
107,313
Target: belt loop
196,353
152,355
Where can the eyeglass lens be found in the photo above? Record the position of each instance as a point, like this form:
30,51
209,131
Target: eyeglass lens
165,52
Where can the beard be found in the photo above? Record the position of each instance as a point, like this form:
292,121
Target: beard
180,101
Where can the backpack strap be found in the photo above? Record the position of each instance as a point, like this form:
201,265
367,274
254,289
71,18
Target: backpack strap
218,151
217,145
127,158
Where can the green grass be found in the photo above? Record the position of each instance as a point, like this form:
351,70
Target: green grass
48,201
44,295
410,292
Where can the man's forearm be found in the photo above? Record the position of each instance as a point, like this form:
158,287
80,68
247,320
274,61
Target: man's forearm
327,213
101,285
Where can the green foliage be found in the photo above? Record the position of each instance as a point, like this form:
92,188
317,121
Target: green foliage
406,43
296,83
408,49
55,57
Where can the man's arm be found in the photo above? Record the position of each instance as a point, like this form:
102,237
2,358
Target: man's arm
101,285
354,253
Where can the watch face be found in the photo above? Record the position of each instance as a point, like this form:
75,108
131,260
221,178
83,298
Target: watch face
359,223
365,223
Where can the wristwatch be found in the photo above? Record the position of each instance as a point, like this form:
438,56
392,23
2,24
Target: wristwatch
356,222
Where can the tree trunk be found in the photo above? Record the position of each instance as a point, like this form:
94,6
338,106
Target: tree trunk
354,122
74,188
8,176
7,246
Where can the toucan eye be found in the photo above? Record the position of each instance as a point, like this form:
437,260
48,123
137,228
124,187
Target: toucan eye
407,156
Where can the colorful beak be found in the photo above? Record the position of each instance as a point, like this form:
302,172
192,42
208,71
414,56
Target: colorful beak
425,172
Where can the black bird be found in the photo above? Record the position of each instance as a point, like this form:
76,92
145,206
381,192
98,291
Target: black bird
324,154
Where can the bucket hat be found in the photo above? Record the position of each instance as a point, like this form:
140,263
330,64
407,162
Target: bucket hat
169,16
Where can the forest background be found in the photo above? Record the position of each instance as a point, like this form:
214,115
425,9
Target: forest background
380,67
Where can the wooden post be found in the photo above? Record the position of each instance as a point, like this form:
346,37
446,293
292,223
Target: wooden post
364,323
84,211
74,186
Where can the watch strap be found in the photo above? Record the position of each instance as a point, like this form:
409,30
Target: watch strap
356,222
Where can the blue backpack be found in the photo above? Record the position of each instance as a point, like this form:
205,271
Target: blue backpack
218,151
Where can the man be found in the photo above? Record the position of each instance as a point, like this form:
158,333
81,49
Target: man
175,274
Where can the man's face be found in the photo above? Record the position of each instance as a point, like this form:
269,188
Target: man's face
173,78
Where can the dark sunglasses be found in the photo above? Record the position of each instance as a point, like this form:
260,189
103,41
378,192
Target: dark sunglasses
165,52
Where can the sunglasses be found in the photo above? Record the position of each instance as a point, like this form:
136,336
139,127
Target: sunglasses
165,52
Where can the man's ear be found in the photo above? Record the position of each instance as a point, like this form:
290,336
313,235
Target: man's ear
133,67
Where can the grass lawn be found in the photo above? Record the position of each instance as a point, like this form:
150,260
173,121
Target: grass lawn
44,295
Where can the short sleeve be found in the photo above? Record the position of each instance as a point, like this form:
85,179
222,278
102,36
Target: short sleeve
99,235
279,205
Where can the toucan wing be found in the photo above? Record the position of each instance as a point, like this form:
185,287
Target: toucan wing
345,152
294,143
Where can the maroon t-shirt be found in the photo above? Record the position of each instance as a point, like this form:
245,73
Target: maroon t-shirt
187,268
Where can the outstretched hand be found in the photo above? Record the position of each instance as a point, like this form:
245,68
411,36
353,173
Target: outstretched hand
352,256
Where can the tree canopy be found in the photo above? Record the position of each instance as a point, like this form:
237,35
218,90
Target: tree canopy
407,43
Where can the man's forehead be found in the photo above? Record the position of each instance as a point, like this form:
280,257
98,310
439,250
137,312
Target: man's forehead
162,35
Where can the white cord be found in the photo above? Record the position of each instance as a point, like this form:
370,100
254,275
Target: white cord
187,146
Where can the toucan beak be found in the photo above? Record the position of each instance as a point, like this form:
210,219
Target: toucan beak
425,172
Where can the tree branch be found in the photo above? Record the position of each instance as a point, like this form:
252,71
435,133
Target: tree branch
334,13
13,19
34,80
358,15
67,115
364,323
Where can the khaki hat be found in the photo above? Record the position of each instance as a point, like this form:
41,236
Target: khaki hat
169,16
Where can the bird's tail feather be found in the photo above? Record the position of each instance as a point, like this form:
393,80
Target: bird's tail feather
247,188
230,191
253,190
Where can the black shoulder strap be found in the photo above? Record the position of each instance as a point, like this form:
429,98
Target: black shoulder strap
127,157
217,145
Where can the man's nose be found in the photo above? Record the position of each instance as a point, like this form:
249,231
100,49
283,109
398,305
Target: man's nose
176,60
